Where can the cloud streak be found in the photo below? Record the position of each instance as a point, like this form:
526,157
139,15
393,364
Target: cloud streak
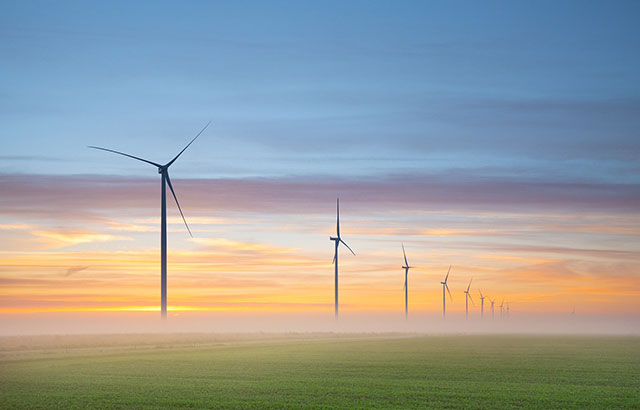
63,238
75,269
89,195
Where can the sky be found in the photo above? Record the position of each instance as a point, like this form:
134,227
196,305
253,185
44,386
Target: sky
501,138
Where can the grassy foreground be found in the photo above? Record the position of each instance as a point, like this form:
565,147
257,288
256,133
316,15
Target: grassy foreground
323,371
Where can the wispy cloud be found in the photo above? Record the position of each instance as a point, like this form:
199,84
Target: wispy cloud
15,227
74,237
75,269
86,195
240,247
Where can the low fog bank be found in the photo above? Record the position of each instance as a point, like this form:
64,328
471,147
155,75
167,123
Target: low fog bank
361,322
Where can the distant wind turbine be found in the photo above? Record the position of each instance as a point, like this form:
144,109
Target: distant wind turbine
501,305
481,305
467,296
163,170
492,311
445,286
507,310
338,239
406,268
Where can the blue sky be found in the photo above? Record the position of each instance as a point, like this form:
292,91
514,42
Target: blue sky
498,137
544,89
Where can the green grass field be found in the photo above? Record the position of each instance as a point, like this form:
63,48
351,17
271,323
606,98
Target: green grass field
321,371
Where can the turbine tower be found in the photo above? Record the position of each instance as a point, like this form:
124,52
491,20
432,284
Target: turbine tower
338,239
445,286
481,305
467,296
507,310
163,170
406,268
501,305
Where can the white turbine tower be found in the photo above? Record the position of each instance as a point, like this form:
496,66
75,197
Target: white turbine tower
163,170
445,286
406,268
337,239
481,305
466,300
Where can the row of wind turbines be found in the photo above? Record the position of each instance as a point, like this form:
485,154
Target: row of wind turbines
163,170
338,240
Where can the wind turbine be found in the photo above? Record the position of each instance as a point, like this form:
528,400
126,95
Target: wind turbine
492,311
163,170
337,239
406,268
507,310
481,305
501,305
467,296
445,286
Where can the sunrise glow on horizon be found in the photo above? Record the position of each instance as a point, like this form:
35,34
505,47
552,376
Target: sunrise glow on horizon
539,260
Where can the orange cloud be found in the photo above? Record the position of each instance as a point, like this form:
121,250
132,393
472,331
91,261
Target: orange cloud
74,237
237,246
15,227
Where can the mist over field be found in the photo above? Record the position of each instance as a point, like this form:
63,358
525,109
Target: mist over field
368,322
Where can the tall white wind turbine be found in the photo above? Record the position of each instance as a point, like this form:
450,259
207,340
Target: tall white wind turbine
163,170
501,306
481,305
338,239
467,296
406,268
444,300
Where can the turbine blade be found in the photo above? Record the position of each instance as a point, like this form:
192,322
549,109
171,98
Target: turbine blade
191,142
472,302
405,256
447,286
343,242
446,277
177,203
338,217
334,259
126,155
468,287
